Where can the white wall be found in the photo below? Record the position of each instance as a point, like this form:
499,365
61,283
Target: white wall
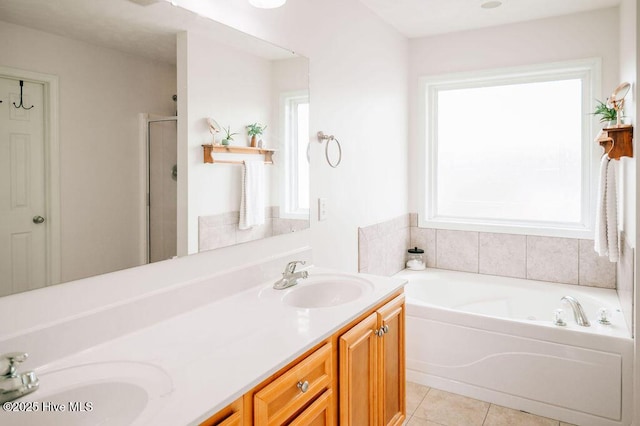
358,82
101,93
234,88
542,41
630,71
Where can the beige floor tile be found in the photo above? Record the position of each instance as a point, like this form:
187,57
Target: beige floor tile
415,395
417,389
417,421
502,416
451,410
566,424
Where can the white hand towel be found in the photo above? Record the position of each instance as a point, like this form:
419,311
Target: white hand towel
252,198
606,236
612,213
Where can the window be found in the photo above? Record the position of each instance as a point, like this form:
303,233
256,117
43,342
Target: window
510,150
295,197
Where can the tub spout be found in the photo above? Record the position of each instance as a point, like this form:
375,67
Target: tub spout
578,312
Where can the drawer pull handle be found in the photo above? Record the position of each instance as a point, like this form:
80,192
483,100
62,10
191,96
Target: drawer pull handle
303,386
385,329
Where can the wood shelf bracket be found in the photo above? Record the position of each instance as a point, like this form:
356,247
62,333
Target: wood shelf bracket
617,141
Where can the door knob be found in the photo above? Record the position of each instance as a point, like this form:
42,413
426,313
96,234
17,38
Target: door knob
38,220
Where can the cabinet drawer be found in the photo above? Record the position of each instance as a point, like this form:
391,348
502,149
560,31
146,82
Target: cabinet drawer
233,420
231,415
320,413
284,397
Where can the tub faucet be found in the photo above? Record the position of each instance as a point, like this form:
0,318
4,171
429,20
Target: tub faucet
578,312
290,276
12,384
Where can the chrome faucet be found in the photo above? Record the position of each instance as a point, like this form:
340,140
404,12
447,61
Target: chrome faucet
12,384
290,276
578,312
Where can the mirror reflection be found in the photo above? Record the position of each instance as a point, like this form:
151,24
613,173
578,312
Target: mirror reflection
100,175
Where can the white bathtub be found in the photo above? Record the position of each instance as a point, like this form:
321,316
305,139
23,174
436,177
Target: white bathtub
493,338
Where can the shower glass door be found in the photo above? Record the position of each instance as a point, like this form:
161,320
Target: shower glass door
162,190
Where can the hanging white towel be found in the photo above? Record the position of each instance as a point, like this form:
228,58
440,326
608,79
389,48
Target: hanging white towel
606,237
252,199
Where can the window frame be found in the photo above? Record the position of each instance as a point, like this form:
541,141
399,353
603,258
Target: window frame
289,186
588,70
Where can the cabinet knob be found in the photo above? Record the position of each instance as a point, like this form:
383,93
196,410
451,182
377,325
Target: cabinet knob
303,386
381,331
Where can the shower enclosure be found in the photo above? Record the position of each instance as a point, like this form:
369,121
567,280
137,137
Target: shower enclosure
161,188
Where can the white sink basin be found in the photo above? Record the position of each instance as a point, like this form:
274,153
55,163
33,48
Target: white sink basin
112,393
325,290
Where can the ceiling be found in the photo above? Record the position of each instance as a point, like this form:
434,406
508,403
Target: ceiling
148,27
145,28
420,18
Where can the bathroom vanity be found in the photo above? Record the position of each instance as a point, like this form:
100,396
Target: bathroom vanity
226,349
354,377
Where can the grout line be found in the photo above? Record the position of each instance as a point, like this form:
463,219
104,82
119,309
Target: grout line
526,257
486,414
579,280
436,248
478,264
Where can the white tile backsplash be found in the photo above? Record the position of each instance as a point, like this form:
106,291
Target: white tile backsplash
382,250
552,259
595,271
397,243
425,238
457,250
382,247
221,230
503,254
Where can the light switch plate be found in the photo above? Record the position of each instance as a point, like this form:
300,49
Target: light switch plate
322,208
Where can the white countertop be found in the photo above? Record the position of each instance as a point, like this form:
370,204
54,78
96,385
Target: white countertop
214,354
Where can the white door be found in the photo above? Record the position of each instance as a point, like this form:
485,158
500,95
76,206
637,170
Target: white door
23,224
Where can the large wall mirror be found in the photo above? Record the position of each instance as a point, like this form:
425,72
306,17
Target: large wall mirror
100,169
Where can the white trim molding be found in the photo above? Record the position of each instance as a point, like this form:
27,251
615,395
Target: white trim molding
288,176
52,163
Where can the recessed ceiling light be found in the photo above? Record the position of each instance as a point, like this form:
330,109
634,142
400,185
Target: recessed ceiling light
491,4
267,4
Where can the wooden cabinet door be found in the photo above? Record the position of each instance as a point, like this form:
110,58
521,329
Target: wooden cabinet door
358,365
392,409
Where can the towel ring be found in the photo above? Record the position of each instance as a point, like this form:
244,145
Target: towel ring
322,137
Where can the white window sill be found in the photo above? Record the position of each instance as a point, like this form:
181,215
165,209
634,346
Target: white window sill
543,230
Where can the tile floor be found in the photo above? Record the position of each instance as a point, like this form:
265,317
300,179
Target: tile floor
432,407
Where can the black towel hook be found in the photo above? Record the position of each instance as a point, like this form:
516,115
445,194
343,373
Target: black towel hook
21,104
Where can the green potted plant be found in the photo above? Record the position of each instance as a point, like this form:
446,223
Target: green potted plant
228,137
606,114
254,130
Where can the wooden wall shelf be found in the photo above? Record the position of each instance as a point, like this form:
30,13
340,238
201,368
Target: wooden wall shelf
617,141
228,149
